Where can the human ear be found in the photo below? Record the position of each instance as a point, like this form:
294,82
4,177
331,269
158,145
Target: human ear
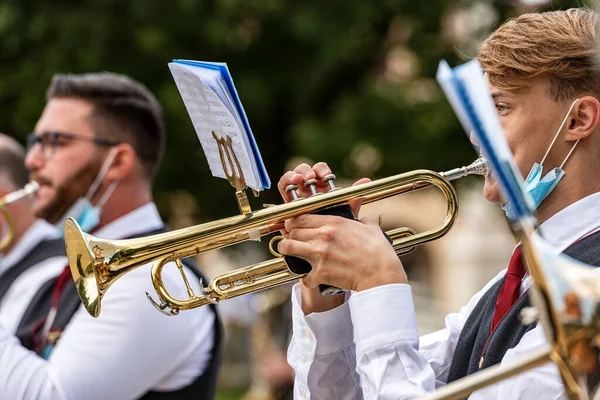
123,163
584,118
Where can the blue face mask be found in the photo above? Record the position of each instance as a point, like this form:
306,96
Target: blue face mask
540,187
86,214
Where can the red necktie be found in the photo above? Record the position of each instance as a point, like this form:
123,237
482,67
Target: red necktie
59,285
509,293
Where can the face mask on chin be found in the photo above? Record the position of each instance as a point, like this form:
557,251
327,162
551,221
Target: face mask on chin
540,187
86,214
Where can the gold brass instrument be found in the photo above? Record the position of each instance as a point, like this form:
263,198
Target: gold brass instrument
96,263
28,190
566,300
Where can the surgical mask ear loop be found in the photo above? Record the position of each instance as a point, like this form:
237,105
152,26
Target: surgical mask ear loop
105,166
107,193
558,133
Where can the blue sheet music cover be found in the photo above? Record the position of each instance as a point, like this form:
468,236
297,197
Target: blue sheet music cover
238,109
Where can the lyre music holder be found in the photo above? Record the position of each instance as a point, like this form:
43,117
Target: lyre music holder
233,172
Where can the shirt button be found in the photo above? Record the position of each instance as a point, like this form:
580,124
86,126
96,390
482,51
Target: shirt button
308,335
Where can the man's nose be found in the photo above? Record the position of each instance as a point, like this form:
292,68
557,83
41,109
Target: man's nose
34,159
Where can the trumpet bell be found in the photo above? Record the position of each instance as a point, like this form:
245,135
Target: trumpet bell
84,268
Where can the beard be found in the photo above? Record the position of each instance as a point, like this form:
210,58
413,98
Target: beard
66,194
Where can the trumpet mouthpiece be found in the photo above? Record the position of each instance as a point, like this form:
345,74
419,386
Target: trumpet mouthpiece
477,167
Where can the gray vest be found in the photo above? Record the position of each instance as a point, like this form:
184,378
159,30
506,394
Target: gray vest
476,349
203,388
42,251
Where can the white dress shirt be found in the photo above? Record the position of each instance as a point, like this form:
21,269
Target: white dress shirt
22,290
130,349
369,348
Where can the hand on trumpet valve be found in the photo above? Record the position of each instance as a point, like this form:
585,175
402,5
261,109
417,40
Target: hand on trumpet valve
306,181
344,253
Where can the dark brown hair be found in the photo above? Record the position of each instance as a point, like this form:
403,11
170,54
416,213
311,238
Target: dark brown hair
124,110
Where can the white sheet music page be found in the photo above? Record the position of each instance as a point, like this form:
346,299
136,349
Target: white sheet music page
209,113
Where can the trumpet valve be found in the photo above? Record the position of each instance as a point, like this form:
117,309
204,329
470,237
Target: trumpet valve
329,179
311,185
293,191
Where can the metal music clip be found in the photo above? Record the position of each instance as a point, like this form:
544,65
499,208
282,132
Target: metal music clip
233,172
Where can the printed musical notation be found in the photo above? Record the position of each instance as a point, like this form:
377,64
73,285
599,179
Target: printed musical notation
213,106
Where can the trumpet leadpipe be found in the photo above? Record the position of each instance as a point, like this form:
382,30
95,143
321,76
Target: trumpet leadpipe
17,195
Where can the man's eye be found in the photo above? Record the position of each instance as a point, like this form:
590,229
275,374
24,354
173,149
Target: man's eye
501,108
55,140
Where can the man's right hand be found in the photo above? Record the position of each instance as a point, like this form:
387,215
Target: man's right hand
312,299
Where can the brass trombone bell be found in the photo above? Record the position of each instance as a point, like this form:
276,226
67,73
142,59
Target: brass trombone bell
96,263
10,198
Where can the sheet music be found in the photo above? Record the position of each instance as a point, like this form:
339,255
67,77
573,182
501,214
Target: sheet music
208,114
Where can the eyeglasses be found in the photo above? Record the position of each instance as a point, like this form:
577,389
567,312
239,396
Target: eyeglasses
50,141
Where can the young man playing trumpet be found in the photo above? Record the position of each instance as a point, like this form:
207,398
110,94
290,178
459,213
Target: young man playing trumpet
35,254
544,78
95,151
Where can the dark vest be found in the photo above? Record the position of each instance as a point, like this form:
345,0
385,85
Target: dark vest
204,387
42,251
475,349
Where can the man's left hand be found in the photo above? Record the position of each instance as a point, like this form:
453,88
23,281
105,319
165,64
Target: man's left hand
344,253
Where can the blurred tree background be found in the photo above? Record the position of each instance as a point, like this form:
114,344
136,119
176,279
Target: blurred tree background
348,82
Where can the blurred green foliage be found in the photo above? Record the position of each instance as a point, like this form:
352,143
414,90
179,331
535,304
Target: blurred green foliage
348,82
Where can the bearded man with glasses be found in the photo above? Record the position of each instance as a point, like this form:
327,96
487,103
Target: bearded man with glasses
94,152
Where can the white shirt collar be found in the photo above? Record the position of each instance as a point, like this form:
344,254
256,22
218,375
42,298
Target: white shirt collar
143,219
572,223
38,232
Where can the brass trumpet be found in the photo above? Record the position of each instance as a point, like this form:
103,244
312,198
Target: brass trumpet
28,190
96,263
